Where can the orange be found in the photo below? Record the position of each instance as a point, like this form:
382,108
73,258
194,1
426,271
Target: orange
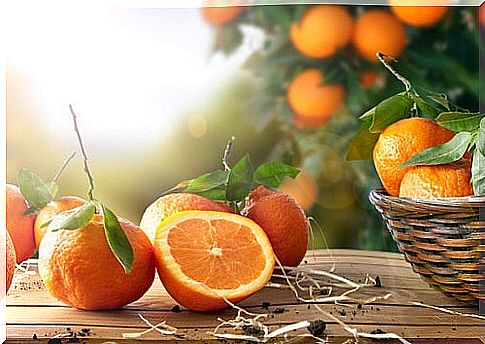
379,31
7,251
322,30
283,221
219,16
313,101
451,180
173,203
303,189
20,227
419,16
206,256
51,210
399,142
370,78
79,268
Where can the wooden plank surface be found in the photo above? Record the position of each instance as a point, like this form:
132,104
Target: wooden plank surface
33,313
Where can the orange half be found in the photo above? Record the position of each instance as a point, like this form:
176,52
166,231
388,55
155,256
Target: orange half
204,257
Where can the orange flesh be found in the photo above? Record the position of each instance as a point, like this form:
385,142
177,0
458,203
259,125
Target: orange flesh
219,253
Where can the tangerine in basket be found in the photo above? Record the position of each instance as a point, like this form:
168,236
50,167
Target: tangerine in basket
173,203
52,209
322,30
449,180
79,268
283,220
20,227
205,257
399,142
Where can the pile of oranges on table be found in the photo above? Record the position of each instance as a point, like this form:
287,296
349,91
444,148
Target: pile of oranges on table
207,256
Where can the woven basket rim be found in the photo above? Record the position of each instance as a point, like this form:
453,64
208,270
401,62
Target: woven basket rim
475,201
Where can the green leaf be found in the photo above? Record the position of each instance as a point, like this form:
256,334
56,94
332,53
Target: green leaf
34,189
271,174
460,121
450,151
362,145
425,107
47,223
207,181
216,194
388,111
78,218
481,137
478,173
240,181
117,239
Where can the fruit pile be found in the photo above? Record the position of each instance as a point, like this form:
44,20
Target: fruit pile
214,239
423,145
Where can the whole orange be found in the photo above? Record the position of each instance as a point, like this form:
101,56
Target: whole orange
322,30
283,221
173,203
313,101
419,16
376,31
399,142
207,257
370,78
7,251
79,268
450,180
303,189
219,16
50,210
20,227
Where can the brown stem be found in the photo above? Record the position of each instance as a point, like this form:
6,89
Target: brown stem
63,167
85,156
384,58
227,151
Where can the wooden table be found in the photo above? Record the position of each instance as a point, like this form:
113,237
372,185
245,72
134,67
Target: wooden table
33,313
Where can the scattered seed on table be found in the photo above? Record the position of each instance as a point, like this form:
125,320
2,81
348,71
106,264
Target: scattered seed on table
317,327
378,282
175,309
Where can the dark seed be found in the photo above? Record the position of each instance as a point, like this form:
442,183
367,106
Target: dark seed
34,337
317,327
279,310
359,306
265,304
252,330
86,330
378,282
54,341
342,312
176,309
377,331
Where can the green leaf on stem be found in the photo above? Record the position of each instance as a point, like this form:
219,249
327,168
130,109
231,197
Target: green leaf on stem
460,121
240,181
271,174
117,239
207,181
481,137
362,144
446,153
478,173
388,111
78,218
35,190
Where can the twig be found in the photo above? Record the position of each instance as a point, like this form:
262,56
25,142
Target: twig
383,58
85,156
63,167
468,315
227,151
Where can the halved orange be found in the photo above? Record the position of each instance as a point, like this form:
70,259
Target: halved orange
204,257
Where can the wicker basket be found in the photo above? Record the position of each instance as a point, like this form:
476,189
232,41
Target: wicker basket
443,240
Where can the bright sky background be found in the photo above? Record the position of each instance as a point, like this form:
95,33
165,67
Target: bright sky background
129,72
